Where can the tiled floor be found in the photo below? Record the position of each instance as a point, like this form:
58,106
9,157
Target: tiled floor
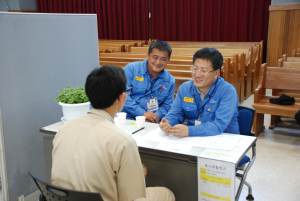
275,174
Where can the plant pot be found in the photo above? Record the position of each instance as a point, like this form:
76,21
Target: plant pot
73,111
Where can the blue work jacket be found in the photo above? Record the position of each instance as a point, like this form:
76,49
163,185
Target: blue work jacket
139,90
218,110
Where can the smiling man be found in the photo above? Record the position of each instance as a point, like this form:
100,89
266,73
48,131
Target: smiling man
150,87
209,103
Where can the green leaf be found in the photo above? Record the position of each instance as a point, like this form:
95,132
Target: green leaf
72,95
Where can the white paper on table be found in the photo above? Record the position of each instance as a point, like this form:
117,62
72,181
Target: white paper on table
158,135
219,154
226,155
225,142
175,145
170,142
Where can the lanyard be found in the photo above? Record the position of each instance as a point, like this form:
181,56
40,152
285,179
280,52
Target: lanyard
151,88
202,107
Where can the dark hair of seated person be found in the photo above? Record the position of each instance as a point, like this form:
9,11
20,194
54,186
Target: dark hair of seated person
104,85
162,46
210,54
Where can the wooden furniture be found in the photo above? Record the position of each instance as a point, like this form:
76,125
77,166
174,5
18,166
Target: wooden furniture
296,53
274,78
284,32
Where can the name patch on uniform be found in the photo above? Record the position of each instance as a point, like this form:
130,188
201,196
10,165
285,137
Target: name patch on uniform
187,99
139,78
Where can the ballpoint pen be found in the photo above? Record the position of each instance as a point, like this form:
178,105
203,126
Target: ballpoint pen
138,130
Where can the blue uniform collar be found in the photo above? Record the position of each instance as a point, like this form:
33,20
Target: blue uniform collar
144,70
194,90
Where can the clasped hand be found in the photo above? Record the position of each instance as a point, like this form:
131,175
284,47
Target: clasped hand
178,130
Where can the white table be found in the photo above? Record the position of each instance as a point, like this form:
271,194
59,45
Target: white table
177,171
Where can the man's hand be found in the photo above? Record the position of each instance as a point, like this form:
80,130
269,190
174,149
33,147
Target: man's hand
180,130
165,126
151,117
145,170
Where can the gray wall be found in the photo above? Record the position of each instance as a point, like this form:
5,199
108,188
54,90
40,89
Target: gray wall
279,2
3,5
39,54
24,5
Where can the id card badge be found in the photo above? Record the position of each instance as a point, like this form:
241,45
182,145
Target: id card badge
197,122
152,105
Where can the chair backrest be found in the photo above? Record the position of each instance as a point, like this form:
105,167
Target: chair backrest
54,193
245,119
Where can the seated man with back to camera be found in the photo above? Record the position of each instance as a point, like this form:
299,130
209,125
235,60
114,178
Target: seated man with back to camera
150,87
209,103
92,154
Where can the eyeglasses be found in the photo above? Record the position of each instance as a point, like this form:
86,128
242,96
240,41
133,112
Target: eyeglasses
202,71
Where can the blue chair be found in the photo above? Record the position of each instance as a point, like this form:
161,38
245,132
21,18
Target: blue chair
54,193
245,119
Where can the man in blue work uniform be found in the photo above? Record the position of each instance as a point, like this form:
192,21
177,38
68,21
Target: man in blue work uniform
209,103
150,87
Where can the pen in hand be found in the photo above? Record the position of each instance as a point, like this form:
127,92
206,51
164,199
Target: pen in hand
138,130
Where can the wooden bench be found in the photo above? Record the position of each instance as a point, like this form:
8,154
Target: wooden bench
274,78
290,59
275,92
296,53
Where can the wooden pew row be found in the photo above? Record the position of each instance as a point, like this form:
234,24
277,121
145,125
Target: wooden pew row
129,60
191,51
120,45
275,92
118,41
290,59
245,44
142,55
277,78
296,53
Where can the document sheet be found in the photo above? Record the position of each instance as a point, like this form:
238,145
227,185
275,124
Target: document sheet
167,141
216,180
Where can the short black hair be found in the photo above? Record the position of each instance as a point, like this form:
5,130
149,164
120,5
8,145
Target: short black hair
210,54
162,46
104,85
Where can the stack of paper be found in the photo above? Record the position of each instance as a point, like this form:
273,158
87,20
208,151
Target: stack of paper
167,141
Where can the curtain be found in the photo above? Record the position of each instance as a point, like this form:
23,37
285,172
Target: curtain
117,19
172,20
210,20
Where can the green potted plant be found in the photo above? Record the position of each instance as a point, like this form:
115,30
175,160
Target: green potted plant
74,102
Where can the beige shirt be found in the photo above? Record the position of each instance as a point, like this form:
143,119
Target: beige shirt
92,154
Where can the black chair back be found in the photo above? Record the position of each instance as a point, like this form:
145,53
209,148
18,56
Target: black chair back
54,193
245,119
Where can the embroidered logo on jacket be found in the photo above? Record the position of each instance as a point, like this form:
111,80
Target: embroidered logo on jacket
139,78
187,99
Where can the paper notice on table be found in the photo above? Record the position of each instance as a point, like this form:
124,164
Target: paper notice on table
223,155
181,146
216,180
158,135
225,142
227,155
170,142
